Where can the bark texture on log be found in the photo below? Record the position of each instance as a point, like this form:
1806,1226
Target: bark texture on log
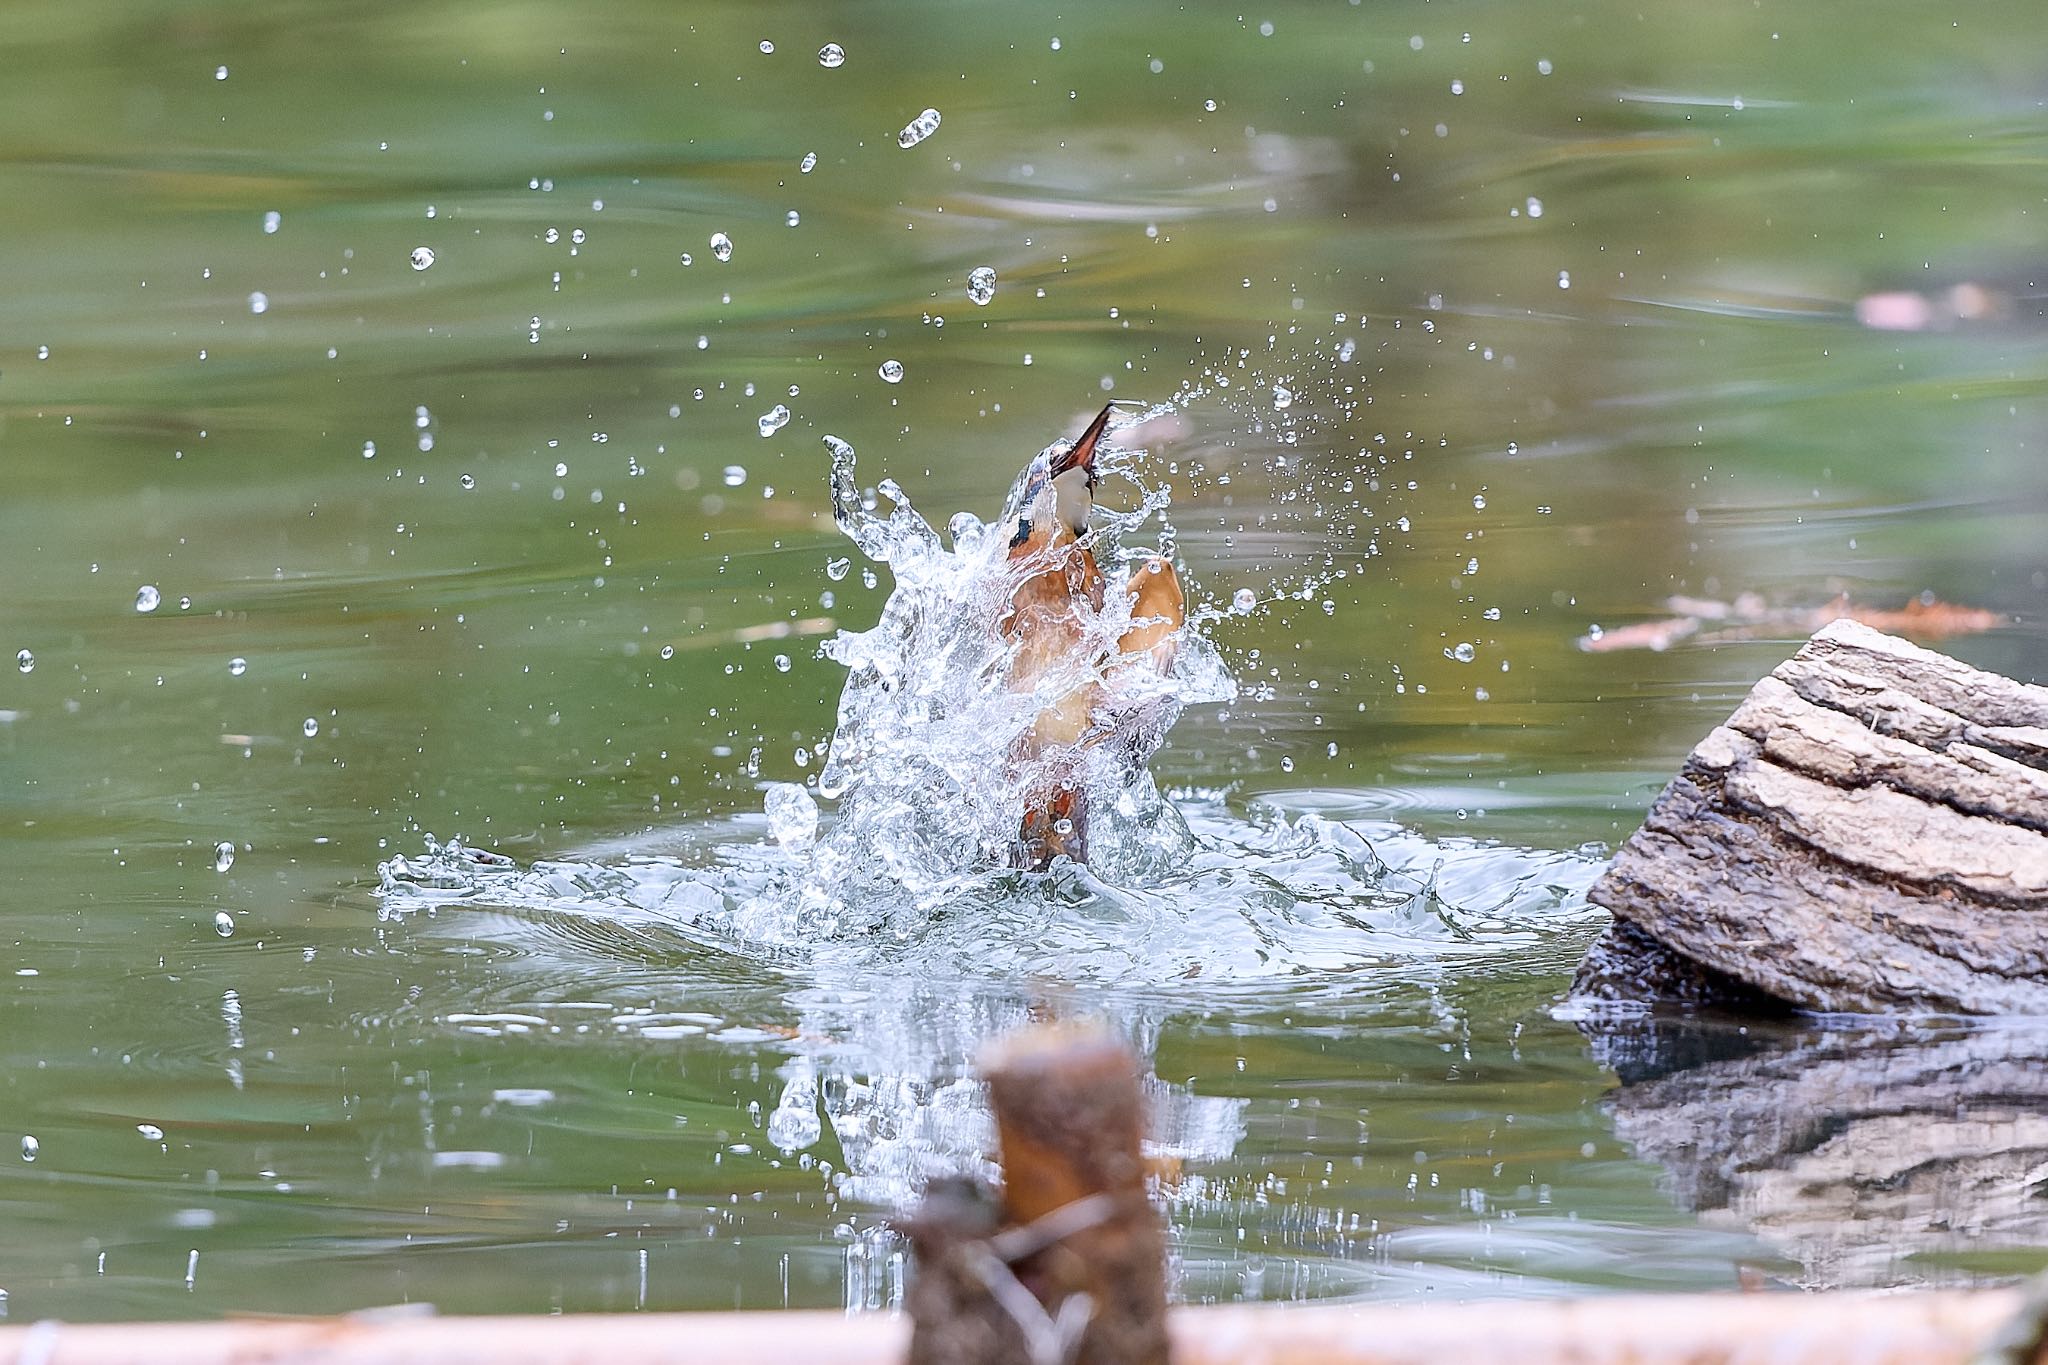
1868,832
1070,1265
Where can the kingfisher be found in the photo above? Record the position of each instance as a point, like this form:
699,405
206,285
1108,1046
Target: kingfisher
1088,687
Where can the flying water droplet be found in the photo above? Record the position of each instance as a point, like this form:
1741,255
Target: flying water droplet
1479,502
891,371
31,1147
259,302
1534,207
147,598
721,246
1243,600
835,569
272,221
1462,652
981,284
918,129
1283,398
808,164
831,56
224,925
735,475
311,727
774,420
223,855
422,257
25,661
782,664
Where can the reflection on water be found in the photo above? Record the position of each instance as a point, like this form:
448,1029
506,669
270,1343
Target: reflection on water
886,1018
1866,1154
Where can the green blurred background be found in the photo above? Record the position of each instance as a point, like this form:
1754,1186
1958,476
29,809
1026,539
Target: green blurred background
502,551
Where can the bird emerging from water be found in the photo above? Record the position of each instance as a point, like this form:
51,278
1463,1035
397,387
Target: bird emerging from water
1095,693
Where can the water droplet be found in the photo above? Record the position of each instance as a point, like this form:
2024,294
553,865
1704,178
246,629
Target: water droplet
792,814
774,420
721,246
1457,87
791,218
220,73
782,664
422,257
224,925
223,856
1543,67
42,353
1462,652
25,661
237,666
1283,398
687,259
808,164
1533,207
766,47
981,283
31,1147
837,569
147,598
150,1131
369,450
735,475
1479,502
1210,105
272,221
1564,279
1594,632
311,727
891,371
831,56
1491,613
918,129
1243,600
668,651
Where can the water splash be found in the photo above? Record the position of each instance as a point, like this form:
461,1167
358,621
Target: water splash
900,851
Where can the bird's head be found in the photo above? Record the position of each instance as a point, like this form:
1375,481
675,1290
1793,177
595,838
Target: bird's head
1057,492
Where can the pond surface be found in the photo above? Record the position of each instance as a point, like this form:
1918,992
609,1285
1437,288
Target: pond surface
392,449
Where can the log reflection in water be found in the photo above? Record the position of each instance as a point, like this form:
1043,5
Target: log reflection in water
1870,1157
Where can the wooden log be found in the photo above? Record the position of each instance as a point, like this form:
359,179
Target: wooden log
1069,1266
1936,1328
1868,832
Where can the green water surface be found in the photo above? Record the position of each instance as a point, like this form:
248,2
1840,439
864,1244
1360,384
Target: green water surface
501,551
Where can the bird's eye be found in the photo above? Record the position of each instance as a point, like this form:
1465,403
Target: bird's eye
1023,532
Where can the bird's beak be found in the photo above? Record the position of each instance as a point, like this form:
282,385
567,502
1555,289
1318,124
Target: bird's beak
1081,455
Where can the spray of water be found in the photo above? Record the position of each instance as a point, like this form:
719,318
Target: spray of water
929,764
903,850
